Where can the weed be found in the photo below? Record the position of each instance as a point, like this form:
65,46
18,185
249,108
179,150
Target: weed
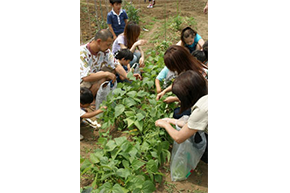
170,187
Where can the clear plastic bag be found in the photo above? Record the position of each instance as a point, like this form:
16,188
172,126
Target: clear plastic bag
103,92
185,156
136,68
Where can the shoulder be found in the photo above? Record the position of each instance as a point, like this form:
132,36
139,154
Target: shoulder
120,38
202,103
110,13
199,116
84,50
197,37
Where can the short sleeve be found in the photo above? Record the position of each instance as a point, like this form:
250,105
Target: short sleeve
162,74
197,38
82,112
125,15
116,45
198,119
109,18
112,62
84,63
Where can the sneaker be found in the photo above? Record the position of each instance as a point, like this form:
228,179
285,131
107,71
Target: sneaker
150,6
82,137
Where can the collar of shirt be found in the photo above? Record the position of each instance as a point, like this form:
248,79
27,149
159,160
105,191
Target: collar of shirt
118,16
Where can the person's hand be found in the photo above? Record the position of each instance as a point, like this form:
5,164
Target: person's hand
103,107
137,76
170,99
141,62
111,76
160,95
205,9
170,120
161,123
140,42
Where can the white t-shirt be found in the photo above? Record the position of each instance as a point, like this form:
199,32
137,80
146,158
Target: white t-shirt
198,119
116,44
93,63
82,112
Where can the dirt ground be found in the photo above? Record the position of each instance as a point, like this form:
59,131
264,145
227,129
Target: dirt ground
153,20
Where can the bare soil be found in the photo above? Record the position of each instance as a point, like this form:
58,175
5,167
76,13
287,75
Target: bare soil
153,20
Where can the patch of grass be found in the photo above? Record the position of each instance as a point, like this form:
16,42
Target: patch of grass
149,27
170,187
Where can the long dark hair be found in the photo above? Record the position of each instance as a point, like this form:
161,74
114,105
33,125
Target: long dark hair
189,87
177,58
131,33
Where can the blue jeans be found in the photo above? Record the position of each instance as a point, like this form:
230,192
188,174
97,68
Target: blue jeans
136,57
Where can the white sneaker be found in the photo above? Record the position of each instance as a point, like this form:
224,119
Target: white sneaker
82,137
150,6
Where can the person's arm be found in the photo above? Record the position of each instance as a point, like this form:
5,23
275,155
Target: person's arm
141,60
178,136
129,67
171,99
121,71
92,114
205,9
157,84
112,31
98,76
122,46
136,44
160,95
199,44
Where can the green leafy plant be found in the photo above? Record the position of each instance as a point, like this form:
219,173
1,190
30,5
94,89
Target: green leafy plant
131,164
132,12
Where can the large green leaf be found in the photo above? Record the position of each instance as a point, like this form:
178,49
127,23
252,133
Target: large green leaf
106,187
86,164
130,113
130,121
94,157
136,164
136,182
139,125
119,91
120,140
142,93
124,173
144,146
125,163
110,146
152,166
133,152
119,109
129,102
148,187
105,176
132,94
118,189
140,116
